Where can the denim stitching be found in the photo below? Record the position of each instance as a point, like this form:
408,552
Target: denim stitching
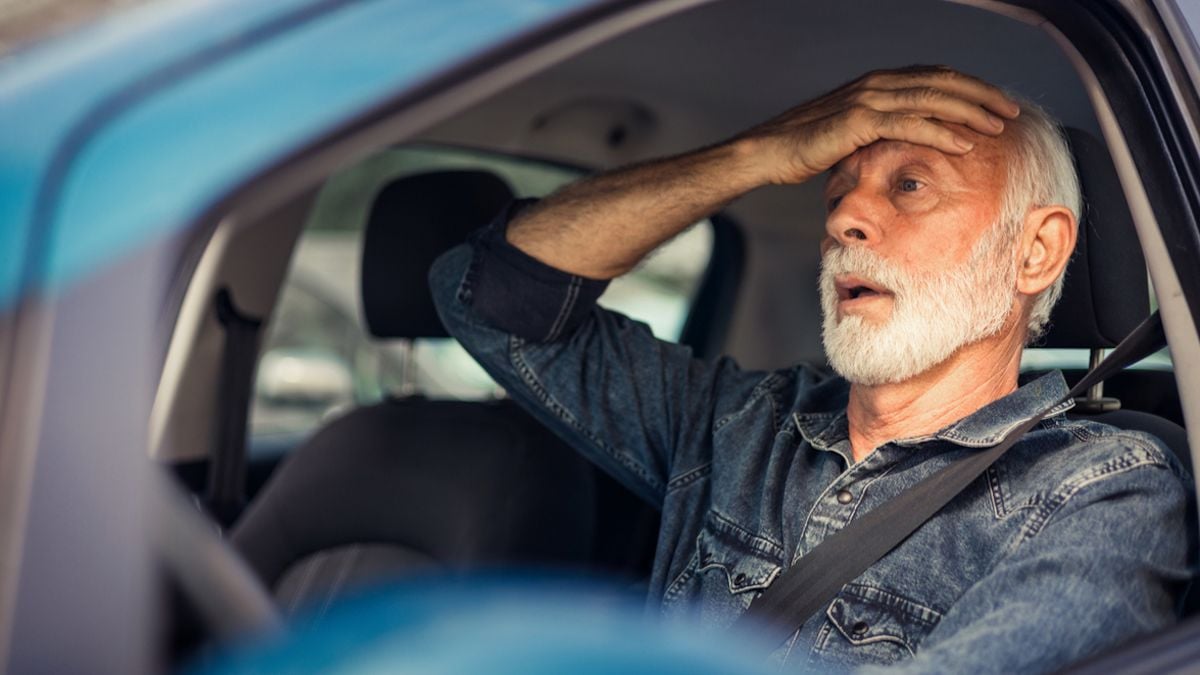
906,606
999,434
993,480
1133,458
681,579
689,477
760,390
564,311
866,483
758,542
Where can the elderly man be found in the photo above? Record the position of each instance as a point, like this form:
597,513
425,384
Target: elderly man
951,216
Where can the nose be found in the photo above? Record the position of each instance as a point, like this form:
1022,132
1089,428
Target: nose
855,221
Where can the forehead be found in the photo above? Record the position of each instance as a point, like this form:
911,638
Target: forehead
982,167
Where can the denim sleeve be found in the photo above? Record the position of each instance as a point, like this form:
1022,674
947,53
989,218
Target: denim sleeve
1108,564
639,407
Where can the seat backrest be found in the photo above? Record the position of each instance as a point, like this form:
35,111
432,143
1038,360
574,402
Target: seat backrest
1106,295
412,483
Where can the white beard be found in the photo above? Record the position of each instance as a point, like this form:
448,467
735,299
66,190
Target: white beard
933,315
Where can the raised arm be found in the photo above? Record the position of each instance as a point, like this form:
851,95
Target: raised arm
603,226
522,297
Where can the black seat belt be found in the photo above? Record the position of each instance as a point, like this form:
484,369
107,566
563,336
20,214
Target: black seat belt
227,464
816,578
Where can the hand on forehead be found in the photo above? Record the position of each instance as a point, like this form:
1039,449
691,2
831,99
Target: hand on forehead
934,107
989,154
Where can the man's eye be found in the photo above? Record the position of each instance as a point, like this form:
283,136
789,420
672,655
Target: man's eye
833,203
910,185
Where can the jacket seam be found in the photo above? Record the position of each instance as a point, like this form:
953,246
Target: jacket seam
1134,458
762,389
687,478
564,310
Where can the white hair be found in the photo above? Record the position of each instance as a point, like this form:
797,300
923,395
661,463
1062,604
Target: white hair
1041,173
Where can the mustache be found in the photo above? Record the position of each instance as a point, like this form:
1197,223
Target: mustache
865,263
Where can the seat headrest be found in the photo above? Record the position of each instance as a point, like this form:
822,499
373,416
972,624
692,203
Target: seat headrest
414,220
1105,294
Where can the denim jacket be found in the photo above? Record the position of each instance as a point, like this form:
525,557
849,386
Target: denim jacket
1075,540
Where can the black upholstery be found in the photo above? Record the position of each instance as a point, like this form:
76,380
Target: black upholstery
1105,294
435,482
412,221
411,483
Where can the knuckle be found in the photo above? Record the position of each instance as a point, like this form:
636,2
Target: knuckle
910,122
867,97
874,79
857,114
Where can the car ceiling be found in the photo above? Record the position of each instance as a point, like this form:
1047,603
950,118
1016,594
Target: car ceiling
706,73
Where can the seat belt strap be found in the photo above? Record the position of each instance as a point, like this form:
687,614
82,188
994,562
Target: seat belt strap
817,577
227,465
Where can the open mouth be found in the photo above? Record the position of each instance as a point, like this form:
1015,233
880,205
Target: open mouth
854,288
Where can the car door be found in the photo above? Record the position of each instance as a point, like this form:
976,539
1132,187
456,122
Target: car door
118,138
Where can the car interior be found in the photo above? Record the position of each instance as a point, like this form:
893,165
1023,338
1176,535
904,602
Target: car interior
331,467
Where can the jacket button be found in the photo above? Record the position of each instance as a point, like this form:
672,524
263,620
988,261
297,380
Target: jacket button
739,579
845,496
859,629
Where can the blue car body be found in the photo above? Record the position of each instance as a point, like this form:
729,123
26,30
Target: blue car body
126,131
115,138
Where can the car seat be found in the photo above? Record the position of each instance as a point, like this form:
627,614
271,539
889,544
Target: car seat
1105,295
411,483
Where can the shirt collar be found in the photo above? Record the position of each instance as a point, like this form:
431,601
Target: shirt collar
983,428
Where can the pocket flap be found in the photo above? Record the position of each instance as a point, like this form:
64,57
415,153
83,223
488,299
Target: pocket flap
865,614
746,569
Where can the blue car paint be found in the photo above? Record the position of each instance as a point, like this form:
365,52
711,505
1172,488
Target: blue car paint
151,116
498,623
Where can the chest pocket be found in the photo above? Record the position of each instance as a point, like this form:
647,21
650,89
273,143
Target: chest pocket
729,569
868,625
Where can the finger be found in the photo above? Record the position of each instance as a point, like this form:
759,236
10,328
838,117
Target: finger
913,128
962,85
935,103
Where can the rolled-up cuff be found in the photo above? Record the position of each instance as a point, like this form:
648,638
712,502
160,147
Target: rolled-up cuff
519,294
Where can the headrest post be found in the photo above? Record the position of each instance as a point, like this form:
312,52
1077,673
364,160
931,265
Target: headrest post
1096,391
1095,401
408,365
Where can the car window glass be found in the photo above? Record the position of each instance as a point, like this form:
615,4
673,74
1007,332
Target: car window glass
1041,358
318,358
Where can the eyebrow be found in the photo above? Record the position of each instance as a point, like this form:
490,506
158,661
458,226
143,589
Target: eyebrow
910,158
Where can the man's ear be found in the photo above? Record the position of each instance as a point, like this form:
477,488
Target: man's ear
1049,239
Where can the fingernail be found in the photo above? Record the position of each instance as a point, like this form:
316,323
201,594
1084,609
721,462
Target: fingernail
964,144
996,122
